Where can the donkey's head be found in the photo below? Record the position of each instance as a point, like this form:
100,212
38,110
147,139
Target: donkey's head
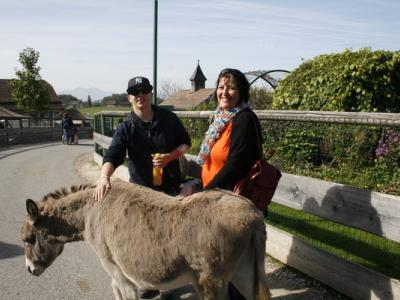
41,243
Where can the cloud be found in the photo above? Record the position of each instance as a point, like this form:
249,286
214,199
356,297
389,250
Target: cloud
102,43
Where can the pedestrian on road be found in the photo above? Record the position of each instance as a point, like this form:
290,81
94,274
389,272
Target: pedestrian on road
67,126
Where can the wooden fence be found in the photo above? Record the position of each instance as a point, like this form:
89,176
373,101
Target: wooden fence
376,213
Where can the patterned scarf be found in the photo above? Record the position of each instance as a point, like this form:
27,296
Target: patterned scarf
220,120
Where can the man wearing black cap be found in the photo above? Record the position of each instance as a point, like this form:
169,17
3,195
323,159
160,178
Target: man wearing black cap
148,130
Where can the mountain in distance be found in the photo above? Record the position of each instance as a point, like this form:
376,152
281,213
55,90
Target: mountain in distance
83,93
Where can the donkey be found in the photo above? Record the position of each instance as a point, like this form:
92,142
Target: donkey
150,240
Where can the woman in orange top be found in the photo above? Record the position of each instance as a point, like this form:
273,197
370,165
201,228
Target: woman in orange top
230,147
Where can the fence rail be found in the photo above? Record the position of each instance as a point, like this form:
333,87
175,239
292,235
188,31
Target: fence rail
370,211
386,119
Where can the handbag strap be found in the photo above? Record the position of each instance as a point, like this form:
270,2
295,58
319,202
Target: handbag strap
258,139
270,153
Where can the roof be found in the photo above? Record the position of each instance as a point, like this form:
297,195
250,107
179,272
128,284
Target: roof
186,99
198,75
8,114
5,91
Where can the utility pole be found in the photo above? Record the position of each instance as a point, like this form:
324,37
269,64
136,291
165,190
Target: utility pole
155,53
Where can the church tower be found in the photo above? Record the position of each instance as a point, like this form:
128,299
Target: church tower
198,79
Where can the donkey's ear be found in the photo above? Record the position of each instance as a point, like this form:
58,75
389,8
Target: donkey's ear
32,210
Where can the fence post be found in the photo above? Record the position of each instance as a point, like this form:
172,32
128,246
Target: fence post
102,124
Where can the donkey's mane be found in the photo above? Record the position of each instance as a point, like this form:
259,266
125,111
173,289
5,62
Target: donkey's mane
60,193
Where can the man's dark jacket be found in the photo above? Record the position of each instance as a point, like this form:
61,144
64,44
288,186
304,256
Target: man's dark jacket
141,140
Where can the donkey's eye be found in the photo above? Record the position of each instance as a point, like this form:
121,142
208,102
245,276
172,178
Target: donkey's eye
30,239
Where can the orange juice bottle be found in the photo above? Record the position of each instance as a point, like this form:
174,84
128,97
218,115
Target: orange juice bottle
157,173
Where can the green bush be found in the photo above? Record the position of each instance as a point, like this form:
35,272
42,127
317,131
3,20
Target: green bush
300,146
260,98
361,80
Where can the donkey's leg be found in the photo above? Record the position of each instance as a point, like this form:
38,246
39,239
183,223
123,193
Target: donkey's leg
244,275
211,289
122,286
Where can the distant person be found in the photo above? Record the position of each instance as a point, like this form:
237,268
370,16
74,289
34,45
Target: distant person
67,126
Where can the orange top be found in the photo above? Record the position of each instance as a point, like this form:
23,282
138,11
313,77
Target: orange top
218,155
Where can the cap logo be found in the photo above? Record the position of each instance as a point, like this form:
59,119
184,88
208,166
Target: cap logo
138,80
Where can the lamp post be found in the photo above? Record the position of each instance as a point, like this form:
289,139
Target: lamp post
155,53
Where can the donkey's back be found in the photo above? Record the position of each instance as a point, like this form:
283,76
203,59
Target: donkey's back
148,239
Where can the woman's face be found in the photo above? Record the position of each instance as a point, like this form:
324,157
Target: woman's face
227,93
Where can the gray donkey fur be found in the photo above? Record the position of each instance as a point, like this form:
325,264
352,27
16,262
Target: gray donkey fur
150,240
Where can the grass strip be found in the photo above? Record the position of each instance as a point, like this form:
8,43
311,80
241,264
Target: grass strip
357,246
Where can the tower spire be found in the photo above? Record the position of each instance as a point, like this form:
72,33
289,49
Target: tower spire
198,79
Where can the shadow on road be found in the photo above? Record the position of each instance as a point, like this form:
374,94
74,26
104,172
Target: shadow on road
10,250
85,143
15,150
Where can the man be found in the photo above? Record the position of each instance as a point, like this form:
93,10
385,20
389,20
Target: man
148,130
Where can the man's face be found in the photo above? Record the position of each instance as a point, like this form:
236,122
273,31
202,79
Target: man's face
140,98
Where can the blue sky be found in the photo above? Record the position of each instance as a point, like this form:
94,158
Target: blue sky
103,43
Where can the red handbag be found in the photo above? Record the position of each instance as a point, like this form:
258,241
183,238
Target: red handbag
260,184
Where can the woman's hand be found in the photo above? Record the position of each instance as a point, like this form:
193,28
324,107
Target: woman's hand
102,188
190,187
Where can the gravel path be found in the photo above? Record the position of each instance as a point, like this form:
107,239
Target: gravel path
285,282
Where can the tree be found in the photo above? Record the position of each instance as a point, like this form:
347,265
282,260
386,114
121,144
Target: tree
260,98
89,101
361,80
116,99
70,100
29,91
168,88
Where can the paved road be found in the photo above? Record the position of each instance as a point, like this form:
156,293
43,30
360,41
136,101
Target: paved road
31,172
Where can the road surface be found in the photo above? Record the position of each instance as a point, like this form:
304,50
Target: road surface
32,172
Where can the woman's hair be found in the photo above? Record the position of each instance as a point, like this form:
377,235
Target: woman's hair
241,83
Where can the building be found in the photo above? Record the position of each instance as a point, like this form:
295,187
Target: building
7,102
188,99
10,119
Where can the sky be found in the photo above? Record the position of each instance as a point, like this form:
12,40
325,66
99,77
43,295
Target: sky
103,43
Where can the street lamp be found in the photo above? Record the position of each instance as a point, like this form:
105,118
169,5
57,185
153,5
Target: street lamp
155,53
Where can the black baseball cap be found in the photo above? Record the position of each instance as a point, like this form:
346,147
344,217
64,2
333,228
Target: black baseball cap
138,83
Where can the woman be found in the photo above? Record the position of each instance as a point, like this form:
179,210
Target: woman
231,144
